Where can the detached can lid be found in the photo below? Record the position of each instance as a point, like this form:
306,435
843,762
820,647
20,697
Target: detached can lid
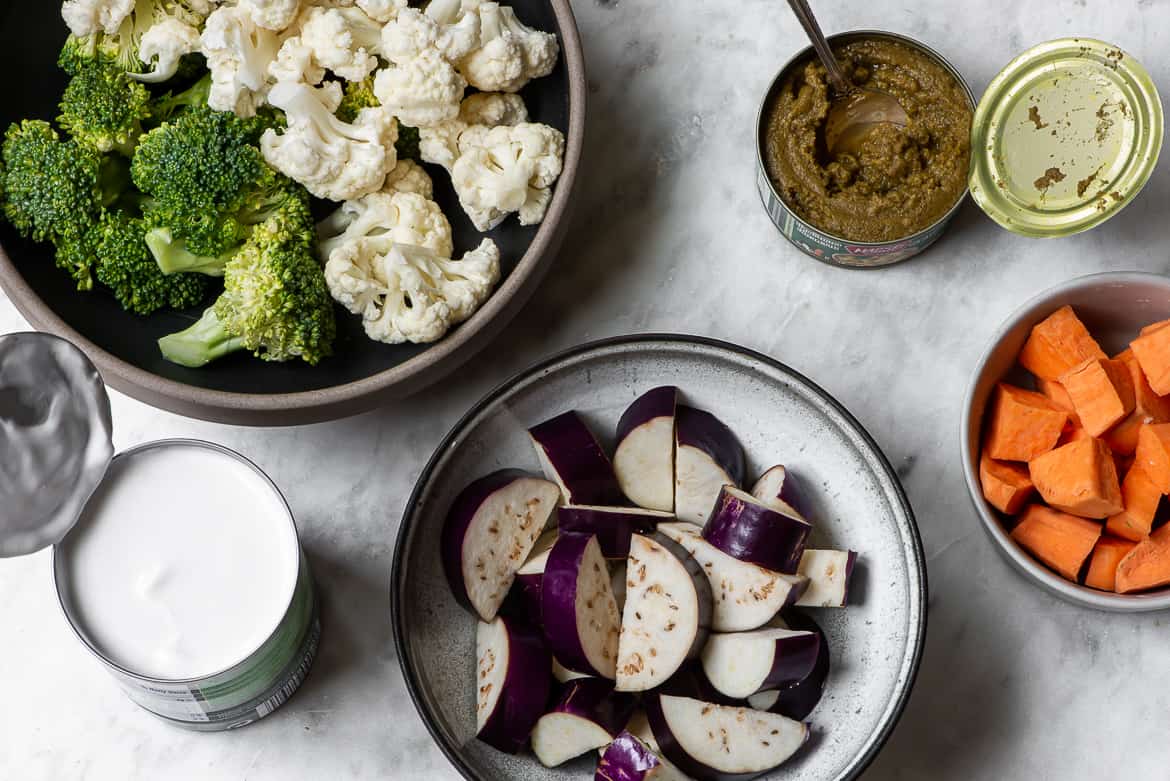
1065,136
55,437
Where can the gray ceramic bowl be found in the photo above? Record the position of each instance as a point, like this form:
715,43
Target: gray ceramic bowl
240,389
780,417
1114,307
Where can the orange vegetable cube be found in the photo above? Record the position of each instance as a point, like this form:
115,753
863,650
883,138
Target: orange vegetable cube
1149,329
1079,478
1058,396
1058,344
1147,565
1107,554
1024,424
1061,541
1141,499
1102,393
1152,351
1006,486
1149,407
1153,454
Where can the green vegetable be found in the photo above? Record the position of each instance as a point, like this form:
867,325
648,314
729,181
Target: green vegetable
57,190
104,108
126,267
208,183
275,300
169,104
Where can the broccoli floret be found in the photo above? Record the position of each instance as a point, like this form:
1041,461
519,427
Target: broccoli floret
208,183
56,191
358,95
121,47
168,105
126,267
275,300
104,108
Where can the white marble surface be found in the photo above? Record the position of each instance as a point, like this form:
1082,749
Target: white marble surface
669,236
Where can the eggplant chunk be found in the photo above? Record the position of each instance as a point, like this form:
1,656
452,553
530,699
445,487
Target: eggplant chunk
644,459
512,682
612,525
778,488
666,615
712,742
578,609
798,700
587,716
744,527
572,457
742,664
828,573
745,595
707,457
489,532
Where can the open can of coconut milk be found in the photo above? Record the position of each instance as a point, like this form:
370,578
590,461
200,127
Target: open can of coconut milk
176,563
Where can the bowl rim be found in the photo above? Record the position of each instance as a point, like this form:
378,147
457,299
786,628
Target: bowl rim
651,340
1038,307
351,398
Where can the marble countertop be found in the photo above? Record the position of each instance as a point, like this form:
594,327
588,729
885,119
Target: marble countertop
669,235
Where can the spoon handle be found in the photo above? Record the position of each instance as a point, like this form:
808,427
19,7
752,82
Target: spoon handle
837,78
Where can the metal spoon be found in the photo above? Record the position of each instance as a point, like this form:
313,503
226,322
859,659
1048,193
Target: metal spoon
854,111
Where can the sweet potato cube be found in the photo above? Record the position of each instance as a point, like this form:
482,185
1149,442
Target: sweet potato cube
1141,499
1024,424
1058,396
1058,344
1153,454
1079,478
1158,326
1152,351
1107,554
1147,565
1102,393
1006,486
1148,407
1061,541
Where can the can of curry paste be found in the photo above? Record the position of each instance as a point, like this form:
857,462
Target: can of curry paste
814,242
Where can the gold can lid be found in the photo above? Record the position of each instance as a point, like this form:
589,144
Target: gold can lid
1065,136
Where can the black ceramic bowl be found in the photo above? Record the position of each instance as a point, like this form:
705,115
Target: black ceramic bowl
242,389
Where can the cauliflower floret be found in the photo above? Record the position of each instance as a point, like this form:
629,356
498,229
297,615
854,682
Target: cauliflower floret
238,53
295,62
509,54
382,10
506,169
440,144
409,177
410,294
422,90
413,31
165,44
404,218
275,15
332,159
344,40
86,17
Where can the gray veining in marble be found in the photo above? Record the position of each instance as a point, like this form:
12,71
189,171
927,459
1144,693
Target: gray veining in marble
669,236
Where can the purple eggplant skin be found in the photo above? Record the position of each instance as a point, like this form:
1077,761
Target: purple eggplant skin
525,692
626,759
654,403
779,485
524,598
700,429
581,465
558,600
745,528
595,700
459,518
613,525
798,700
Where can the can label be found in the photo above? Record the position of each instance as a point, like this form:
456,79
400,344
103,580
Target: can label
251,689
828,249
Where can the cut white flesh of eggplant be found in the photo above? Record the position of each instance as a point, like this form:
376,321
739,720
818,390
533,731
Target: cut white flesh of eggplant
489,534
512,682
775,488
714,742
580,615
741,664
644,459
697,485
564,674
666,615
558,737
828,573
745,595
